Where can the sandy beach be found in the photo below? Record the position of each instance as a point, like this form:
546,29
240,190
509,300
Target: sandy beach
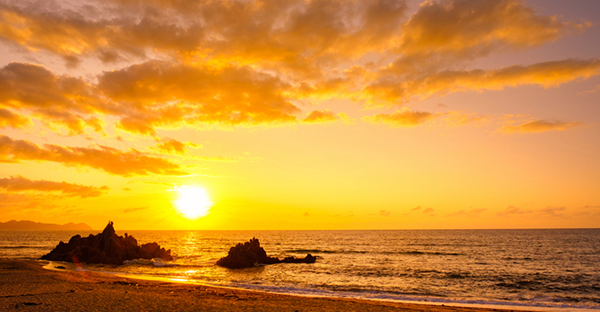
26,286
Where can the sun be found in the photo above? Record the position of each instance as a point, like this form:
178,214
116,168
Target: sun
193,202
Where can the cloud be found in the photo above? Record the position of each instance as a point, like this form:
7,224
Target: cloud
467,213
127,210
392,86
384,213
19,184
553,211
10,119
57,101
321,116
73,35
512,210
251,62
460,118
471,27
429,211
592,91
539,126
159,93
109,159
172,146
145,96
404,118
413,210
408,118
293,35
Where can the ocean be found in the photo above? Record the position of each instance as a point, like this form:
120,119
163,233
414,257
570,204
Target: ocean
521,269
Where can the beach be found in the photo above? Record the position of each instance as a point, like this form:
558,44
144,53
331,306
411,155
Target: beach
27,286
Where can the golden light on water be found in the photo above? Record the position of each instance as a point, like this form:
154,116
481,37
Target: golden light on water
193,202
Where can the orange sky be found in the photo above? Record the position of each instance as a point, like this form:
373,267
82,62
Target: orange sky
299,114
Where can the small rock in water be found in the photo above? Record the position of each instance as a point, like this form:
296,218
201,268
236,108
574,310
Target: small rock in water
250,254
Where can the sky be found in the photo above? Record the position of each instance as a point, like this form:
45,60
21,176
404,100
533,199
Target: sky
300,114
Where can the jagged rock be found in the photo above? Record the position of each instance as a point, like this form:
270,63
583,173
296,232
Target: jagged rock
106,247
250,254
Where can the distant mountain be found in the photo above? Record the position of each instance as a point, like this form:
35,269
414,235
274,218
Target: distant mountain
33,226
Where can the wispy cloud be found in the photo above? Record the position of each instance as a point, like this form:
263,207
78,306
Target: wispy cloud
512,210
128,210
21,184
467,213
539,126
111,160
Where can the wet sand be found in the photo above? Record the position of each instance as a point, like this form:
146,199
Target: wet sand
26,286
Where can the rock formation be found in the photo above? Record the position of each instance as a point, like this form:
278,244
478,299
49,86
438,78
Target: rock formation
250,254
106,247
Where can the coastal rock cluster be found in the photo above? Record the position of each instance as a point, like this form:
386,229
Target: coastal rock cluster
107,248
250,254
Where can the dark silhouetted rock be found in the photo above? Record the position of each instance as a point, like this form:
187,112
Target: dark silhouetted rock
308,259
250,254
106,247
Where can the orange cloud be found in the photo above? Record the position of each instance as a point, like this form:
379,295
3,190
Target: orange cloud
512,210
321,116
247,61
393,88
159,93
71,35
10,119
473,27
539,126
467,213
19,184
405,118
553,211
127,210
385,213
292,35
172,146
61,101
110,160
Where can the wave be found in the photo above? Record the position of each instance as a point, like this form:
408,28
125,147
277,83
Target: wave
161,264
150,262
25,247
418,252
360,292
408,252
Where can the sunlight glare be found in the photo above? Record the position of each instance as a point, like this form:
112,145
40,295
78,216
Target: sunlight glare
193,202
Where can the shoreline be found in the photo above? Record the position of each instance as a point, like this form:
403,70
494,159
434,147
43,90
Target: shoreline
28,286
435,301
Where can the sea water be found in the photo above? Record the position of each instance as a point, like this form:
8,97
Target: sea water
558,268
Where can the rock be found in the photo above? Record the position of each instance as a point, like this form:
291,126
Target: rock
308,259
250,254
107,248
